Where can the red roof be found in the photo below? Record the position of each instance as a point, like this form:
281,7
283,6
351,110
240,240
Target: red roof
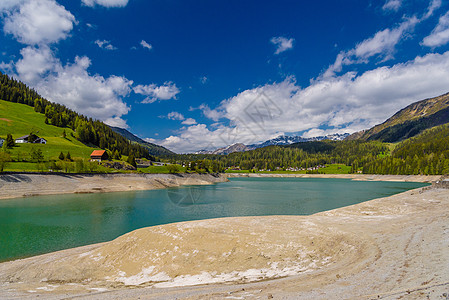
98,153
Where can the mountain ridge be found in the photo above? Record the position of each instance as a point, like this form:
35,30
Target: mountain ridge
409,121
154,149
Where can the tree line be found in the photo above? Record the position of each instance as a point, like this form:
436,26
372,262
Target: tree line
87,130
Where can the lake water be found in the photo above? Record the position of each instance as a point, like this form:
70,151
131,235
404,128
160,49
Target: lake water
36,225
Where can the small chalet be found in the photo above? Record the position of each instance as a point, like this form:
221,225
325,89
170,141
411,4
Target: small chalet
1,142
26,139
40,141
22,139
99,155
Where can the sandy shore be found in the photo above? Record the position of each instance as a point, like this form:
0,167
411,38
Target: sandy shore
23,185
388,248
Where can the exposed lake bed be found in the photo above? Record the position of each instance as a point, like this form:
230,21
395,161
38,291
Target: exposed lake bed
371,248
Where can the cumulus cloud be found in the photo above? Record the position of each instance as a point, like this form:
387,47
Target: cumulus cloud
73,86
154,93
103,44
189,121
146,45
282,44
209,113
9,4
174,115
346,103
39,22
381,45
440,34
105,3
392,5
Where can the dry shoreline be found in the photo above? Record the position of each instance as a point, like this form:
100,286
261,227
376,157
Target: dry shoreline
387,248
23,185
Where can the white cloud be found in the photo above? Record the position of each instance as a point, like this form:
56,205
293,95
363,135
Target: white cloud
105,45
105,3
73,86
282,44
39,22
345,103
189,121
382,45
212,114
204,79
392,5
433,6
9,4
146,45
174,115
167,91
440,34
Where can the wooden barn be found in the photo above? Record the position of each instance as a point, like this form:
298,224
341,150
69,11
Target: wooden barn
99,155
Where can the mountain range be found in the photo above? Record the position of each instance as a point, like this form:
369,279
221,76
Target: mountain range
279,141
406,123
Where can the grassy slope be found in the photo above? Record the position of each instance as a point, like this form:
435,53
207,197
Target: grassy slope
20,120
427,109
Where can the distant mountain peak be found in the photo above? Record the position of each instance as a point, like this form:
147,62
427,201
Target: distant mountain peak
278,141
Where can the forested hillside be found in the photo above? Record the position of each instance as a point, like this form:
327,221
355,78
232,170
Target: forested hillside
87,130
154,149
427,153
410,121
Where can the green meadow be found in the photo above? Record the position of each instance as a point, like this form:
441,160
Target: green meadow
19,120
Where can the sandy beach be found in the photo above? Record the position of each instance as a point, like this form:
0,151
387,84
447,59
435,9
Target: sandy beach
388,248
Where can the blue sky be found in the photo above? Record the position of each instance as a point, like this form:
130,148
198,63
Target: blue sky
193,75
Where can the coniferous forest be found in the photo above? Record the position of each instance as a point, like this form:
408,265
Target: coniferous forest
88,131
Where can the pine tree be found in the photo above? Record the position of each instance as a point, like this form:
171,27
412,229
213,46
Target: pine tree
131,160
61,156
68,157
9,141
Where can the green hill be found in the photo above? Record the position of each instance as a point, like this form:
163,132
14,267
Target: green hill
154,149
20,119
410,121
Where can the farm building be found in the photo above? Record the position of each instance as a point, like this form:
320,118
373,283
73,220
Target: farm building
22,139
26,139
99,155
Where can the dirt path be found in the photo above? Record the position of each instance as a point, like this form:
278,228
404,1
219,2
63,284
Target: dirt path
388,248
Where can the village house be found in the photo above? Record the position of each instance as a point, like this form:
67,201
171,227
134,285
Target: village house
22,139
25,139
1,142
40,141
99,155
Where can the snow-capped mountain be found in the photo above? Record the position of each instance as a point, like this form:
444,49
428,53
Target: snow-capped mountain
280,140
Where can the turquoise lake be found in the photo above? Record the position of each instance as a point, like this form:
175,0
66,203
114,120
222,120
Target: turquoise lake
36,225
